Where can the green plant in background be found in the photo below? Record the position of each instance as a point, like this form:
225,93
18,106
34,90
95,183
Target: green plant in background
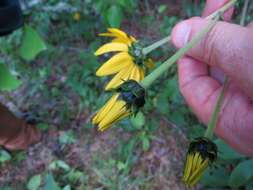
8,82
113,11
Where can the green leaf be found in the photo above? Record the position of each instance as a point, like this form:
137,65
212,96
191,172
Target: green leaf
121,165
145,143
242,173
4,156
74,176
32,44
177,118
8,82
43,126
51,184
162,8
114,16
226,152
138,121
63,165
59,164
215,177
162,104
67,137
34,182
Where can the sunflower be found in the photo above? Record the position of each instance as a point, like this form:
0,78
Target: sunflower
127,64
128,99
202,152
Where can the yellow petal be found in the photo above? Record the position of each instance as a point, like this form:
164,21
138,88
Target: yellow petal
119,78
195,159
104,110
111,47
115,64
138,74
118,33
118,38
107,34
122,40
188,167
200,160
132,73
133,39
142,74
116,120
135,74
150,64
198,173
115,112
121,34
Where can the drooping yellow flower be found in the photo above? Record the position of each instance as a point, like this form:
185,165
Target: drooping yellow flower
129,62
128,99
110,113
202,152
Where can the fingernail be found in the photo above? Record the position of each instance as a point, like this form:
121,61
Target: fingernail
182,34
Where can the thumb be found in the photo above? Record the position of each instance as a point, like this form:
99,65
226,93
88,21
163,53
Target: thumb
227,46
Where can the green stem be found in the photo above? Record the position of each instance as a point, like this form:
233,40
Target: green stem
214,118
244,12
222,9
148,80
155,45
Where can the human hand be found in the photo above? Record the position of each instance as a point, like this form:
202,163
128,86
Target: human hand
229,48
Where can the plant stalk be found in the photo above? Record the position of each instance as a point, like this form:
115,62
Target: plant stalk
214,118
155,45
148,80
244,12
222,9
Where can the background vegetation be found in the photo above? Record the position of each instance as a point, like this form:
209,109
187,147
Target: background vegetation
53,58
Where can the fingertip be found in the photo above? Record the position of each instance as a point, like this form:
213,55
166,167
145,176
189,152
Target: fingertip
181,33
177,34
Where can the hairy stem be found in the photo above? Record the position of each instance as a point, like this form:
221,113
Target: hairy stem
214,118
148,80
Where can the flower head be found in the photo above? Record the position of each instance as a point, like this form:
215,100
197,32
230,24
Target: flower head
127,100
202,152
128,64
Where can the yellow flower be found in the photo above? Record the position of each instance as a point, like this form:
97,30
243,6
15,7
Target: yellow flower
127,64
128,99
202,152
77,16
110,113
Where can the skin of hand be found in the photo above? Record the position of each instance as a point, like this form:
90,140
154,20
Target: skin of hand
229,48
